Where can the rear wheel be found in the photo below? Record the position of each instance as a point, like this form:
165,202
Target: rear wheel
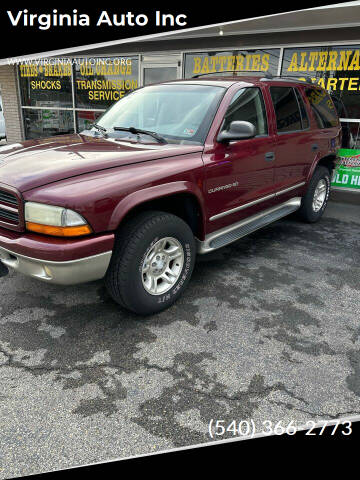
152,262
316,198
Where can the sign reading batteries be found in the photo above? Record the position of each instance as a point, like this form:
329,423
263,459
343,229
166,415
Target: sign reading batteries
347,172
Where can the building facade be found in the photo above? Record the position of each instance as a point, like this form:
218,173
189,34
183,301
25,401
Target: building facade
62,94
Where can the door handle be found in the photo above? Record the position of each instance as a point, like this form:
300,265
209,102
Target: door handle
269,156
314,147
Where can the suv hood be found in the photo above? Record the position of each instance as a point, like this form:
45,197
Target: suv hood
34,163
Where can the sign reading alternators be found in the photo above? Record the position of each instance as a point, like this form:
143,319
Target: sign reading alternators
337,64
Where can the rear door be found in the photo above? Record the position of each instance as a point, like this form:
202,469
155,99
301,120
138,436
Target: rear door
327,126
293,148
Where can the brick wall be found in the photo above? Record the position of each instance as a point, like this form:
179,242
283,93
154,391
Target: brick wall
10,100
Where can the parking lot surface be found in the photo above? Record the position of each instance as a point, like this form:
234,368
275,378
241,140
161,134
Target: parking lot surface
267,330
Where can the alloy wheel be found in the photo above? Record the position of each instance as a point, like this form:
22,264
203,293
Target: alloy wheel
162,265
320,195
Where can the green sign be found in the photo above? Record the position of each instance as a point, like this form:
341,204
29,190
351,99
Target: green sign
347,172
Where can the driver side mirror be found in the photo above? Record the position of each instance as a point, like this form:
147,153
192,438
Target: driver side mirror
238,130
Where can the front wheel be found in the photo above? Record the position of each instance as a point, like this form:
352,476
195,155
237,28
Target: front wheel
152,262
316,198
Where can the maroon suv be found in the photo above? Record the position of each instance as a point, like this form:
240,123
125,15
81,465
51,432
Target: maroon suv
169,171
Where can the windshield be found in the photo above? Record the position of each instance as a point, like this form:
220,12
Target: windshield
179,113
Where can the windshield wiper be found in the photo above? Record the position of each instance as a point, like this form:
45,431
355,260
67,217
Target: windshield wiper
137,131
101,129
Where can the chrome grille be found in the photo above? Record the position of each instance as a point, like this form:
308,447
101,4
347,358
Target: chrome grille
9,209
8,198
9,215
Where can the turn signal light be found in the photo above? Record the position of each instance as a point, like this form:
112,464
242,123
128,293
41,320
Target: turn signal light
77,231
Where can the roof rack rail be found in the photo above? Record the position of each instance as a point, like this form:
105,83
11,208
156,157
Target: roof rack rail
292,77
264,75
235,73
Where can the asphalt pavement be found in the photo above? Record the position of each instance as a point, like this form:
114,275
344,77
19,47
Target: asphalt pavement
268,329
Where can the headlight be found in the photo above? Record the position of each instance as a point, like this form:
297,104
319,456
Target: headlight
56,221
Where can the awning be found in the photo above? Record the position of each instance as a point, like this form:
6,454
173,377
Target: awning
341,15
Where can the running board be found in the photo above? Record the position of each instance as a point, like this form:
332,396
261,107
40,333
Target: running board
230,234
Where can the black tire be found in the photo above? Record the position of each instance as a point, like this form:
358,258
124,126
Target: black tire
307,211
135,239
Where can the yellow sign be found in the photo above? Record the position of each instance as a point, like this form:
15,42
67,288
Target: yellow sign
219,63
311,62
45,85
59,70
106,89
98,80
101,68
320,61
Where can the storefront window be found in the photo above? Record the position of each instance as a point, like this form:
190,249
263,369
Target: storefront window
46,123
337,69
53,90
99,82
86,87
160,74
46,84
264,60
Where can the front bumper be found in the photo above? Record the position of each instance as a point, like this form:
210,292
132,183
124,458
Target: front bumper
62,273
57,260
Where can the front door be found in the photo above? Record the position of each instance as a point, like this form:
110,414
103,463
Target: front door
160,68
240,174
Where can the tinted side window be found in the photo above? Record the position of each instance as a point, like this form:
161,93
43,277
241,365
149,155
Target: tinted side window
340,107
286,107
304,117
345,126
247,105
322,107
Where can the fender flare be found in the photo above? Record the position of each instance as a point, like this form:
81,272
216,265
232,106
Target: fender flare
134,199
316,162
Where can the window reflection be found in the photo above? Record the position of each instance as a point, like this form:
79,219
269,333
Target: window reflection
99,82
46,123
334,68
46,85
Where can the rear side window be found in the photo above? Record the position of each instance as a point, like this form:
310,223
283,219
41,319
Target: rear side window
322,107
304,118
340,107
288,118
247,105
